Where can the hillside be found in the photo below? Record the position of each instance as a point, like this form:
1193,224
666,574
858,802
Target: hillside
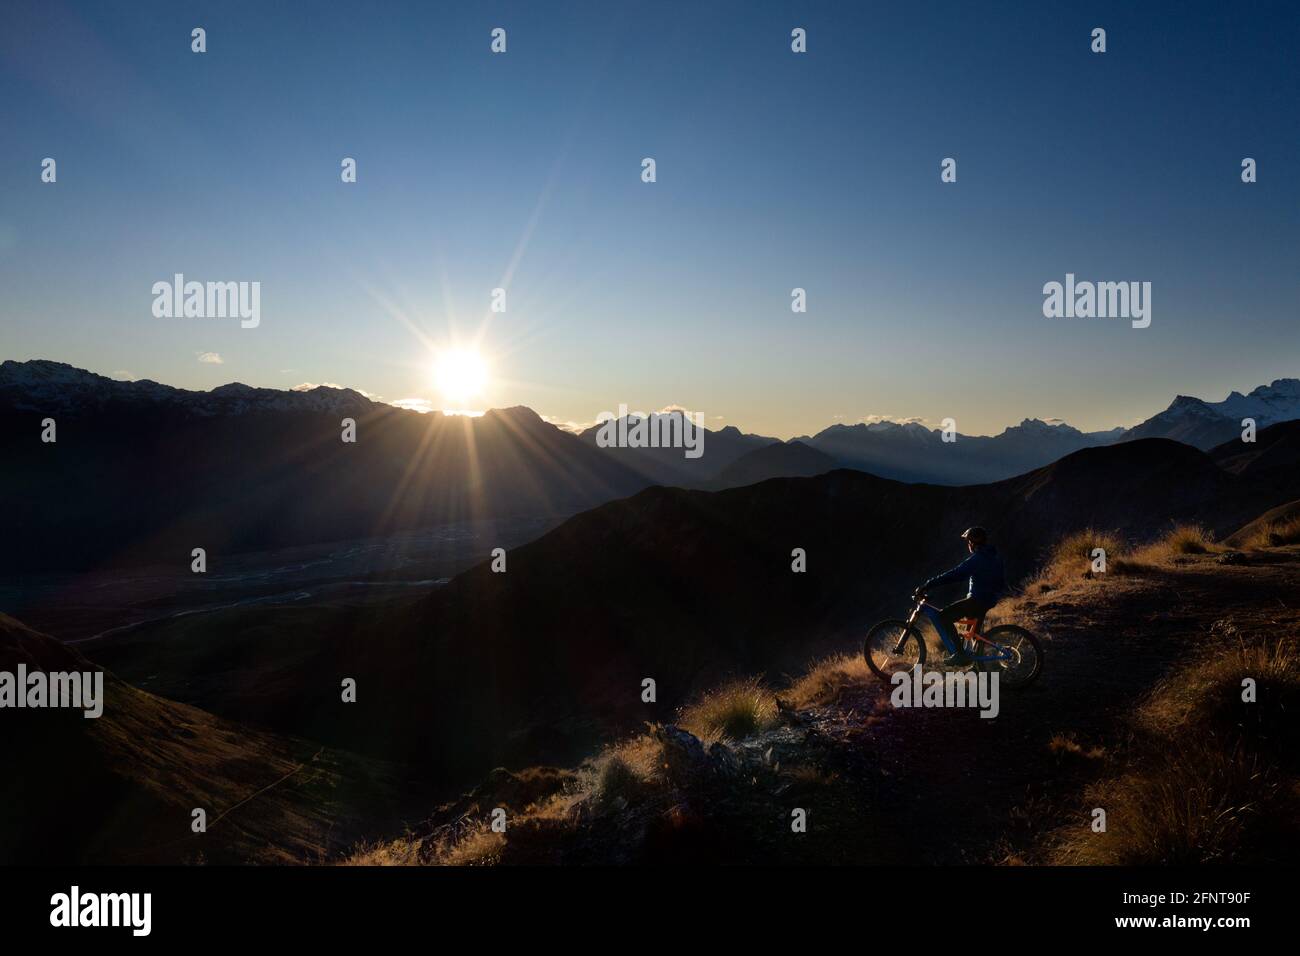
145,473
1138,711
791,459
120,788
686,587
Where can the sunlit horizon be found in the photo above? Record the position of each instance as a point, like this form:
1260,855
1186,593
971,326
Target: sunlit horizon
498,207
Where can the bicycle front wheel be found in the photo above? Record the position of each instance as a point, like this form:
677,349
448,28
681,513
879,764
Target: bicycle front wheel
893,646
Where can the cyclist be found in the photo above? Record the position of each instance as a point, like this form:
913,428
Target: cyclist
987,584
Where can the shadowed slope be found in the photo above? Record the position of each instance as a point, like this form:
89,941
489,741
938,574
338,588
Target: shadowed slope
120,788
684,587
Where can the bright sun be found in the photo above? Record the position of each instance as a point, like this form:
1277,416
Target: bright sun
460,375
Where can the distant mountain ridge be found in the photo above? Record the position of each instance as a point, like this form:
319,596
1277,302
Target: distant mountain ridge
671,466
1207,424
141,472
912,452
543,459
57,388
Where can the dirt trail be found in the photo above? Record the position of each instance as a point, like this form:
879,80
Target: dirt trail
968,789
936,786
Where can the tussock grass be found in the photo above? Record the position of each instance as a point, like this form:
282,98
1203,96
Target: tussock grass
1068,744
616,781
405,851
1276,534
1184,539
479,847
734,711
1204,700
1197,804
622,773
1215,781
643,755
1071,557
827,680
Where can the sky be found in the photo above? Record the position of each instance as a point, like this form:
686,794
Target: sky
775,171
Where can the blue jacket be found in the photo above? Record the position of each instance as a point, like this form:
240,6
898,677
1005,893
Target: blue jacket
984,568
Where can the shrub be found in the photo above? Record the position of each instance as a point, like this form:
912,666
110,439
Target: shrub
401,852
616,780
826,681
1192,804
732,712
1204,700
1181,540
1072,555
1276,534
480,847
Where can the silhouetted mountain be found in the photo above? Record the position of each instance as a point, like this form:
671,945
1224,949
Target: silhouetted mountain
145,472
670,466
1275,450
1207,424
682,587
791,459
912,452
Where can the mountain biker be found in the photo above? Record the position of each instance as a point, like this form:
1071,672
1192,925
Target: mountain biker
987,584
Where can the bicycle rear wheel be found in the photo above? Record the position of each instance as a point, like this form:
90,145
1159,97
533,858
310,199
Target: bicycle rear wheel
893,646
1026,655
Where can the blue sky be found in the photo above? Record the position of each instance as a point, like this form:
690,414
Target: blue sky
775,170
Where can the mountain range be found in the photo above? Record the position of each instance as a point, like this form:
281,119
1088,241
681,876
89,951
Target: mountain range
146,472
909,451
141,472
684,587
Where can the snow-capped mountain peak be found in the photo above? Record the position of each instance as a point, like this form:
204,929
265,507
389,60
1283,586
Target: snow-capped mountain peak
57,388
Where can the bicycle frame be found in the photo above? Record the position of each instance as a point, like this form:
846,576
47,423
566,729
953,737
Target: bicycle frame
931,613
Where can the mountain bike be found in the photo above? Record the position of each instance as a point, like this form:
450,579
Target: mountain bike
1008,650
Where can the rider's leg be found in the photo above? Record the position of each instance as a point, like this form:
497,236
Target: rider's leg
950,615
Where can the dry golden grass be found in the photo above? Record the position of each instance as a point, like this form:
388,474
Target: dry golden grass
1182,540
827,679
480,847
1067,744
734,711
1196,804
405,851
616,780
1275,535
1204,699
558,807
644,755
1212,784
1072,557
